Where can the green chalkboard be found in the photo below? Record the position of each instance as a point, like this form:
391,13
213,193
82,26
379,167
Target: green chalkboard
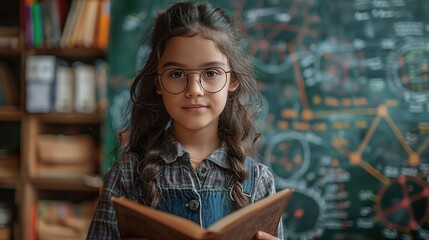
346,119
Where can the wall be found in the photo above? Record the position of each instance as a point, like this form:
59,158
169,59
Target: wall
346,119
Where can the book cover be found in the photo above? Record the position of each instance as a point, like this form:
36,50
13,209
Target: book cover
85,88
51,23
101,75
102,40
90,23
41,73
70,23
28,17
37,24
139,221
46,16
64,90
56,23
80,24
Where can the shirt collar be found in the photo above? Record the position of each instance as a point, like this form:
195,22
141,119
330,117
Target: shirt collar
173,150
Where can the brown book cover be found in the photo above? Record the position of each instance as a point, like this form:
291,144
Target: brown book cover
137,221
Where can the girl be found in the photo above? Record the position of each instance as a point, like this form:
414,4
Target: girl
191,134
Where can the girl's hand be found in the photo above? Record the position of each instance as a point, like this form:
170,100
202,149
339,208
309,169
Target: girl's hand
265,236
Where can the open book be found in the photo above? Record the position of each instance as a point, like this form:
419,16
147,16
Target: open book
137,221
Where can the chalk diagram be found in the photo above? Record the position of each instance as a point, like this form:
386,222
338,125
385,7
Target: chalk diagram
288,154
273,29
404,203
329,130
408,70
304,215
337,70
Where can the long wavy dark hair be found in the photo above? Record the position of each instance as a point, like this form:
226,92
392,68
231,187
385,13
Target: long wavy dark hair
149,118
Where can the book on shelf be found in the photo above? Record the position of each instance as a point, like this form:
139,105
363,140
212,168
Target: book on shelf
51,23
64,90
88,36
102,34
80,23
138,221
41,74
101,76
36,14
85,88
28,22
70,23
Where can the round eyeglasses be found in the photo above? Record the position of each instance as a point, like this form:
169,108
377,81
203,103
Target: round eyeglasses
211,80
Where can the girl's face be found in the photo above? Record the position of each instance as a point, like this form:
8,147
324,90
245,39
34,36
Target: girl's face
193,58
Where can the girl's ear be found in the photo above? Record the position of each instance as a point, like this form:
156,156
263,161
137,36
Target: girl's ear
233,85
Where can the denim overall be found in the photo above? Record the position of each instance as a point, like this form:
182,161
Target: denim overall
205,206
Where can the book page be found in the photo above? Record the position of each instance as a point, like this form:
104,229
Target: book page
263,215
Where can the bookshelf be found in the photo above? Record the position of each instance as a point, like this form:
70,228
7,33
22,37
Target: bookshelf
39,149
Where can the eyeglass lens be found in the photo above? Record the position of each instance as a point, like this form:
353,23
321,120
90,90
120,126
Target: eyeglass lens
212,80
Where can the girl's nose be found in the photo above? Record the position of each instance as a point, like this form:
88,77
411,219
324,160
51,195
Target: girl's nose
194,86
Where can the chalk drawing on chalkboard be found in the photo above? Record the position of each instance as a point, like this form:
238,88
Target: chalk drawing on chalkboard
403,204
272,27
288,154
133,21
117,109
423,233
339,69
305,216
408,72
141,56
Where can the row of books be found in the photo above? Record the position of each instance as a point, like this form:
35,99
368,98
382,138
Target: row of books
54,85
59,23
56,219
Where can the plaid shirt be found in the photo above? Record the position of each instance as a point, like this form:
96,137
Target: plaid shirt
124,180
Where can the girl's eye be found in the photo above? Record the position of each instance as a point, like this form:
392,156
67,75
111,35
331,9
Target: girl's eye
177,74
211,73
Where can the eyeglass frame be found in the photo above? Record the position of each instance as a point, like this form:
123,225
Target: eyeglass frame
199,77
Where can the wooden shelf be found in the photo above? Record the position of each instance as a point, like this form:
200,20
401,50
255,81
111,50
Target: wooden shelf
10,113
68,52
10,51
77,183
68,117
10,182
